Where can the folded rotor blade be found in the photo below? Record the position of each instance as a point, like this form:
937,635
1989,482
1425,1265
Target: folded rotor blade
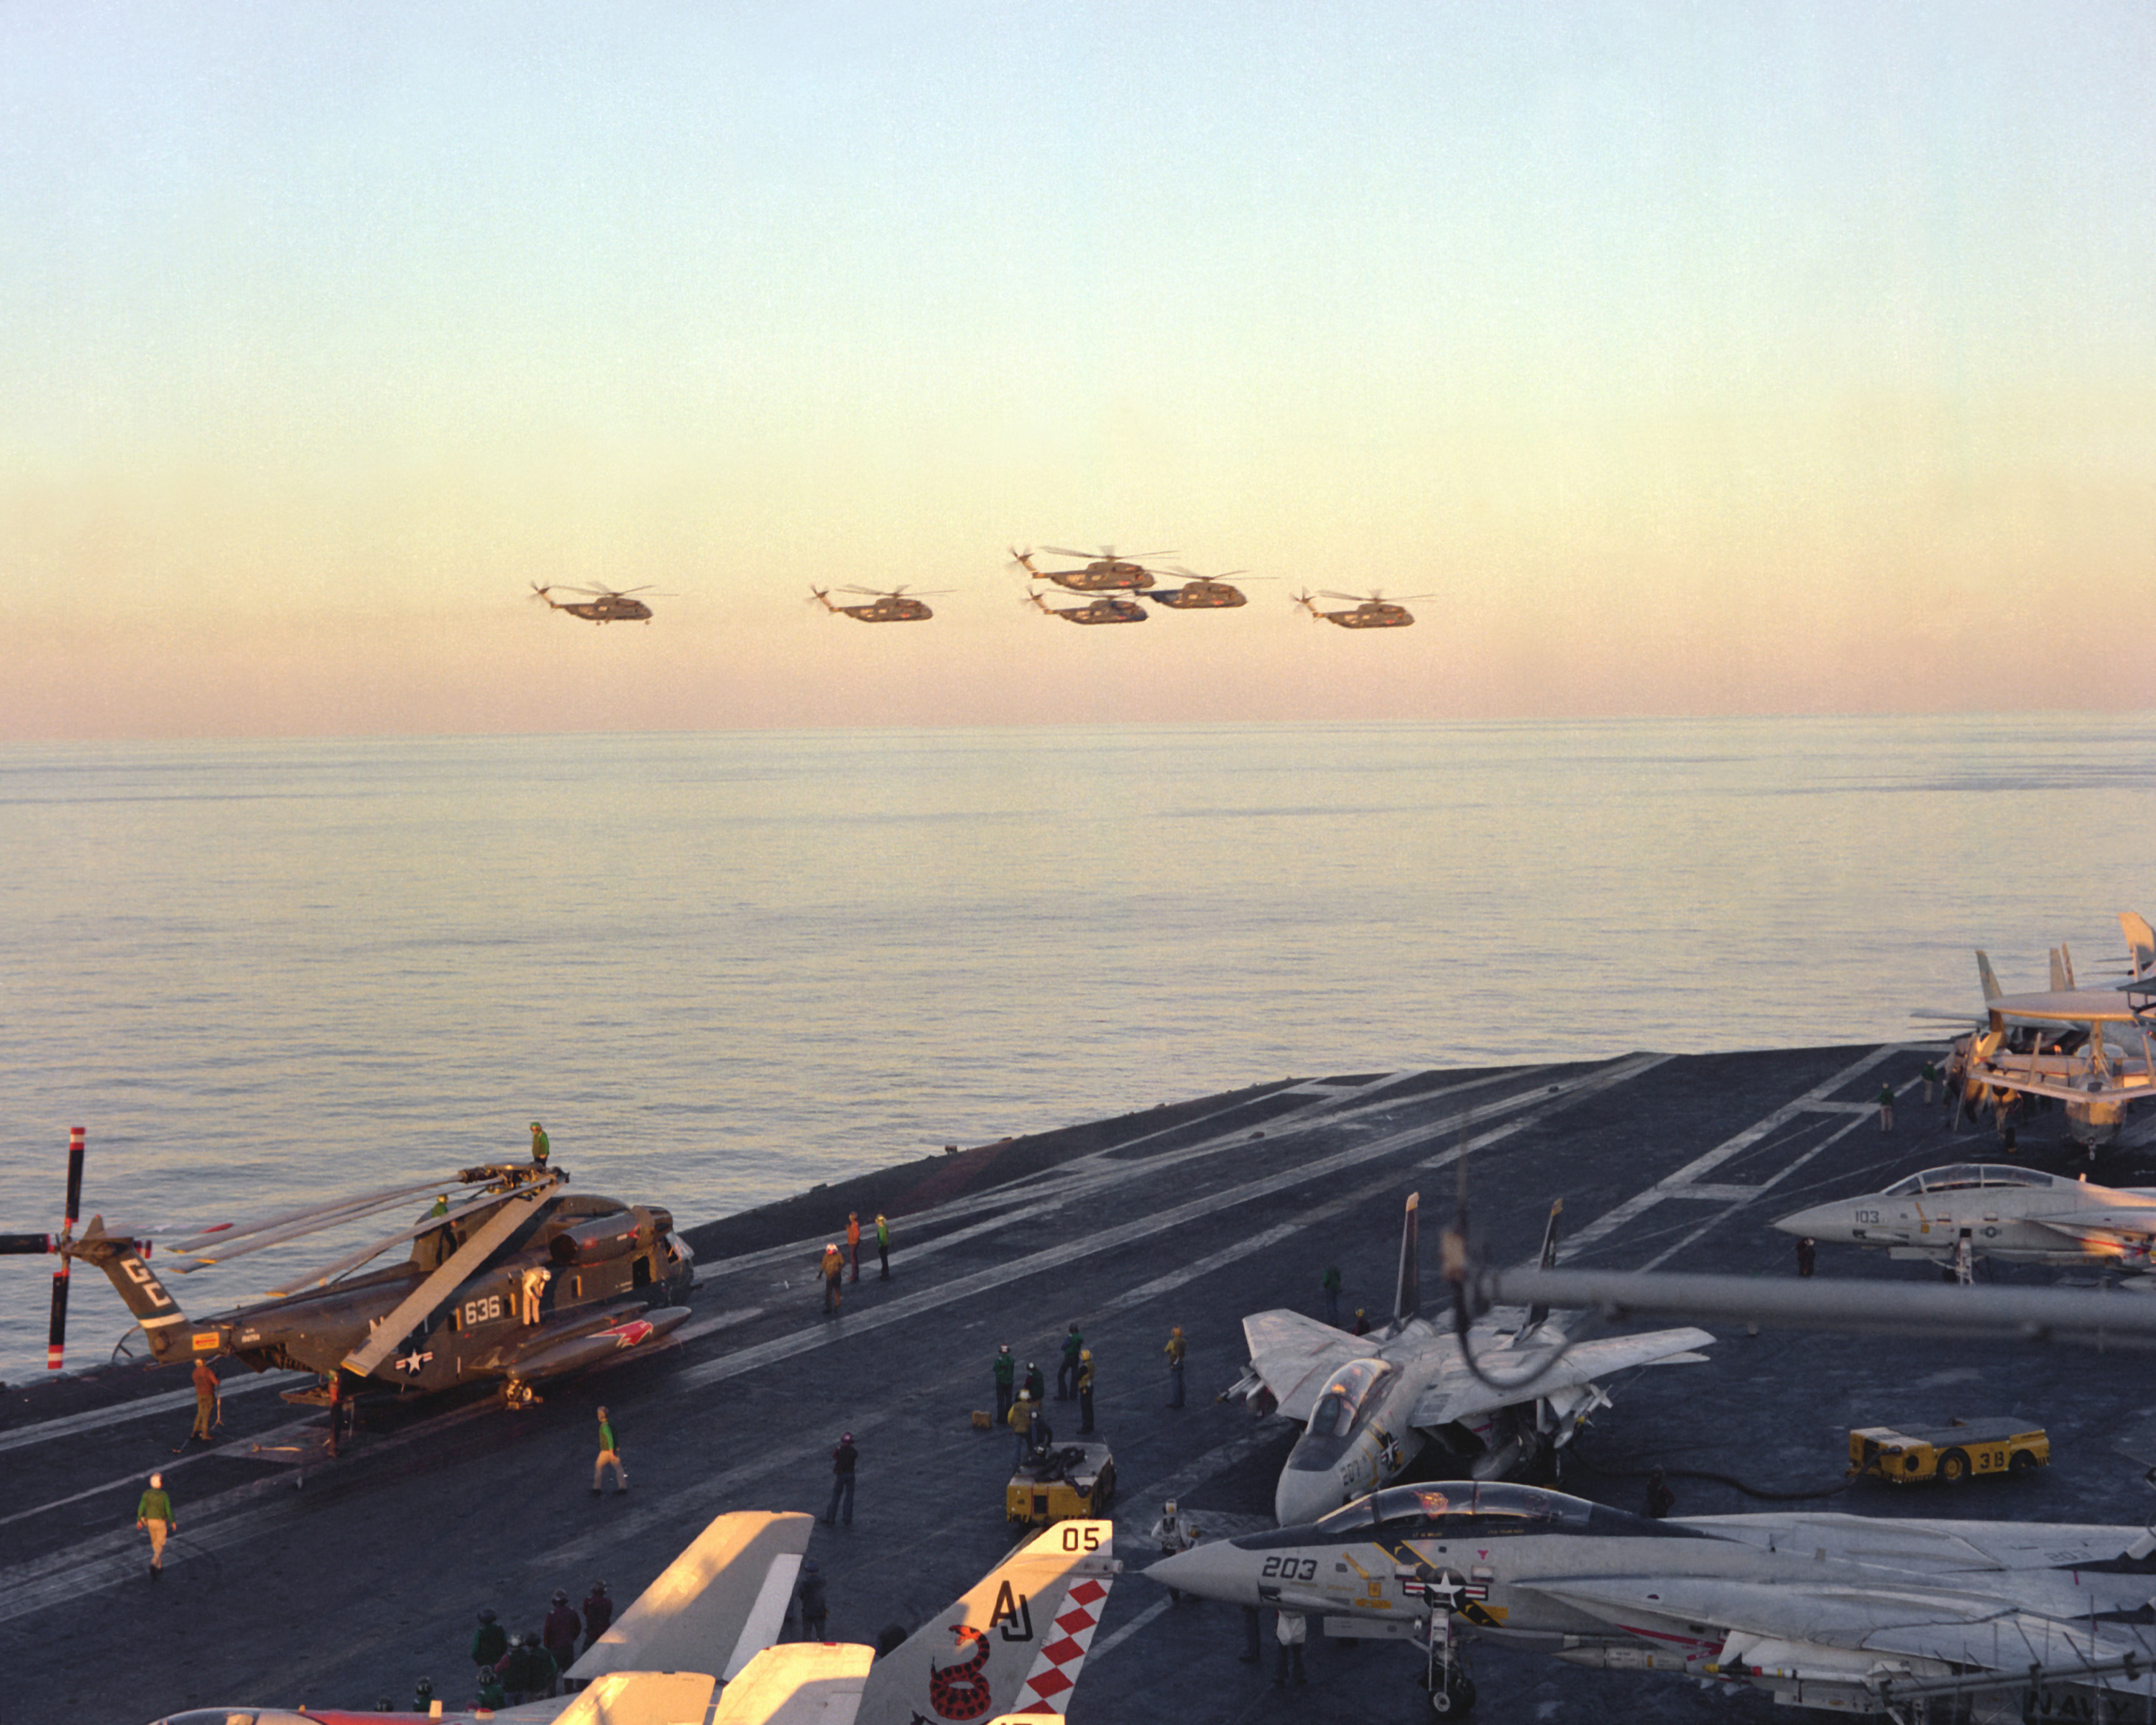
352,1260
420,1303
352,1202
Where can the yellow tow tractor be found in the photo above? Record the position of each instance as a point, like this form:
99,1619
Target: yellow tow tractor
1061,1482
1950,1453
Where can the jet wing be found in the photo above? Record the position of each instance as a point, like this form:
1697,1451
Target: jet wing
1963,1627
1456,1393
714,1607
1295,1355
2138,1222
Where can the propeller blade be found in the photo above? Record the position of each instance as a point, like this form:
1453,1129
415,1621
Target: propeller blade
74,1176
11,1244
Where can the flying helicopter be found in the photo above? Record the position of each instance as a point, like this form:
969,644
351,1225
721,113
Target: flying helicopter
605,605
1102,610
1202,593
1105,573
516,1282
891,604
1372,610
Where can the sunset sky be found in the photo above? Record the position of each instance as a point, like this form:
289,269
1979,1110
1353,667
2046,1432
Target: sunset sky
1696,359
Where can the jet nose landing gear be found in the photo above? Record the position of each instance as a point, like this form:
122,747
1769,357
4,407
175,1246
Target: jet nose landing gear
1451,1690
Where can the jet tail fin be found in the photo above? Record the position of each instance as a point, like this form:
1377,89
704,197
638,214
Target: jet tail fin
2140,941
1538,1314
1014,1644
1987,976
2062,970
1407,1302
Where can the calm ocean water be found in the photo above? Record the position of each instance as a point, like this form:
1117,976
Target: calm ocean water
722,968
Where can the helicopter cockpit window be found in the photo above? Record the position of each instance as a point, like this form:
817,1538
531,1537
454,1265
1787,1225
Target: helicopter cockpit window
1334,1416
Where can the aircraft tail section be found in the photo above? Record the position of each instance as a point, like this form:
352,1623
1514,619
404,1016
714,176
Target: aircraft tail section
1408,1301
156,1311
1987,976
717,1605
2062,970
1538,1314
1014,1644
2140,941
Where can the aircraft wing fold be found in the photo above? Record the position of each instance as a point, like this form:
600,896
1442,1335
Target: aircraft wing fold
1456,1393
1295,1355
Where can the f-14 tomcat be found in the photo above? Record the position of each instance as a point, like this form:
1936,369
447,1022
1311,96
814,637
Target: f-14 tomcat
518,1281
1838,1612
1371,1402
1993,1210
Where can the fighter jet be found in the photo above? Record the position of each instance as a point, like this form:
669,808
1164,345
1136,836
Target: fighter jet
1838,1612
1946,1216
1014,1643
1371,1402
2090,1049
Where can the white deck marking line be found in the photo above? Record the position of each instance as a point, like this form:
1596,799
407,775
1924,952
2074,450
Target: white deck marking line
824,1332
1038,1193
1752,1193
165,1401
1640,1202
1108,1644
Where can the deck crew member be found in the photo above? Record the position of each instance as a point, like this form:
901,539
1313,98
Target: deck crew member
853,1241
843,1459
609,1456
1173,1532
1020,1421
1036,1386
1660,1500
1084,1392
490,1642
205,1398
1174,1351
1807,1255
883,1246
1886,1108
1332,1286
1066,1375
815,1605
1362,1321
1006,1369
834,1270
1291,1629
561,1630
599,1612
154,1516
541,1146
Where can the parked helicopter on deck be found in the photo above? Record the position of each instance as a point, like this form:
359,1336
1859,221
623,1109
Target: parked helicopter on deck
516,1282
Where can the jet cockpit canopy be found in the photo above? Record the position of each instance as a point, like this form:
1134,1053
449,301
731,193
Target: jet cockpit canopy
1964,1174
1334,1415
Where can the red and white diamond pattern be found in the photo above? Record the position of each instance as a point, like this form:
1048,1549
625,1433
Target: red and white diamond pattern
1054,1672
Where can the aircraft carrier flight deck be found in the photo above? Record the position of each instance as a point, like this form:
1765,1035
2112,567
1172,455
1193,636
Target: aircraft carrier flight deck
296,1580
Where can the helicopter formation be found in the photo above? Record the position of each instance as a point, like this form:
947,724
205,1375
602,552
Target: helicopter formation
1115,582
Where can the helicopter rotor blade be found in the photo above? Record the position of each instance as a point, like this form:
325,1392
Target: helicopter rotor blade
56,1333
225,1231
423,1301
352,1260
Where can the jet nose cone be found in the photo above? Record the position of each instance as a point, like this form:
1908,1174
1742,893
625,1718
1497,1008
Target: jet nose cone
1300,1498
1211,1572
1819,1219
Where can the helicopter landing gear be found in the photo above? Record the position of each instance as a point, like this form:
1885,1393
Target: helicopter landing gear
516,1395
1451,1690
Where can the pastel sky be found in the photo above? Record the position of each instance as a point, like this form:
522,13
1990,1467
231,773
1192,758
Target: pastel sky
1693,358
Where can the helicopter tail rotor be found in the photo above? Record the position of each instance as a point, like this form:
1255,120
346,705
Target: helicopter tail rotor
820,595
56,1334
1308,601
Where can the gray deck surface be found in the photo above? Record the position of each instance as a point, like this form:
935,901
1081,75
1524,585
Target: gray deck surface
347,1590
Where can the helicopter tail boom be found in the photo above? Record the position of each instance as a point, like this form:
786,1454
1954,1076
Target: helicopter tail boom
156,1311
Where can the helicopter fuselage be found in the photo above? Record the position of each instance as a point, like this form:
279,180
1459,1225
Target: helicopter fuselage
1373,615
1200,596
1102,611
570,1285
